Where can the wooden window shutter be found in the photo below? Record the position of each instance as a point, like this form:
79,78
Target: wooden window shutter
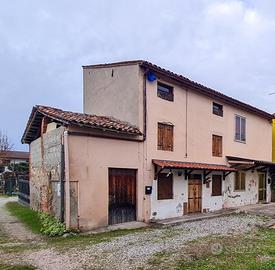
216,185
160,136
165,137
165,186
216,146
240,178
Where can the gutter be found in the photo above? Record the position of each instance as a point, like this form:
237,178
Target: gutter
144,107
62,182
67,179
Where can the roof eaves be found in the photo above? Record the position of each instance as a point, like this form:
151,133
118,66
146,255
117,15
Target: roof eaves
115,64
206,90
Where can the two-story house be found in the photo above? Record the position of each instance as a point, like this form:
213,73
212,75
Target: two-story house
150,144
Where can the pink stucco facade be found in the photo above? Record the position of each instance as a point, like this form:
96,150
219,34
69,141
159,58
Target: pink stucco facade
194,123
122,91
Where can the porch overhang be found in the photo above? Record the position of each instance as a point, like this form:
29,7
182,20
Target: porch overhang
247,164
189,167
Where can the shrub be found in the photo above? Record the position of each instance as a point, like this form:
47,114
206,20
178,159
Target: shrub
50,225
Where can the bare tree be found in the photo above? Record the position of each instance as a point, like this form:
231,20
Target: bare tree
5,144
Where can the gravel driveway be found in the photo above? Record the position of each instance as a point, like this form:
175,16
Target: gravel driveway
133,251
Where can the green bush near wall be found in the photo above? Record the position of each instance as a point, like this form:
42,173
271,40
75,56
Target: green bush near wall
50,225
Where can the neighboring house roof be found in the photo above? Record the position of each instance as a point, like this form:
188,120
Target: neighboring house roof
190,85
248,161
192,165
68,118
14,155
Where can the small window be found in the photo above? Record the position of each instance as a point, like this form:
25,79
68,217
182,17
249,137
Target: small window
165,137
165,186
217,109
216,185
240,128
165,92
216,146
240,181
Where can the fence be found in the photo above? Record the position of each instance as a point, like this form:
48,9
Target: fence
24,191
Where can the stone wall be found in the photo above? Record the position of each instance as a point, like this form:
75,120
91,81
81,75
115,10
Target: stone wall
45,172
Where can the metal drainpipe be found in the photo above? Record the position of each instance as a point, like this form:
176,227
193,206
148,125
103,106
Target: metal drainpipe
62,182
67,180
144,106
186,123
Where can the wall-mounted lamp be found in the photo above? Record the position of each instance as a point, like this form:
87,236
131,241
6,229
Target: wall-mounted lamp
169,173
179,173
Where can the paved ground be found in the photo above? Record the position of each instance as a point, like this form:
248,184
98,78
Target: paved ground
260,209
131,251
196,217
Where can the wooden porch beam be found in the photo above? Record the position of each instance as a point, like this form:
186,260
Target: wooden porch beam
205,173
187,173
225,174
157,172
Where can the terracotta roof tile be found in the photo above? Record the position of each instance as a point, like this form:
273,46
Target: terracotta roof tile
192,165
78,119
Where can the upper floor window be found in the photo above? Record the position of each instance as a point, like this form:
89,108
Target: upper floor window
165,91
165,137
240,128
217,109
216,146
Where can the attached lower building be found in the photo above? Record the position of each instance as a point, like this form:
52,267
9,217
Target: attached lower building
150,145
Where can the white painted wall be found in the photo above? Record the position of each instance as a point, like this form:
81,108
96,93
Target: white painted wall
162,209
249,196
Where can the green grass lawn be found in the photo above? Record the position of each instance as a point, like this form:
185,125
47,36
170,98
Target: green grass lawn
253,251
26,215
30,218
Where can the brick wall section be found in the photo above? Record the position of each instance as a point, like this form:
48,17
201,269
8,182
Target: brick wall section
45,172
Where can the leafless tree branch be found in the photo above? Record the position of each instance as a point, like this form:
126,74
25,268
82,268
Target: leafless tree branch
5,144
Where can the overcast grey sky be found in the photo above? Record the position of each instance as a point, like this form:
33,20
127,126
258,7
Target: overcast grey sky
226,45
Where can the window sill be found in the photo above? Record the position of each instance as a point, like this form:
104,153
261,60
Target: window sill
166,150
216,195
241,190
244,142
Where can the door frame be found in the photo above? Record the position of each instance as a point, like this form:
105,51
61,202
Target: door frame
199,179
136,191
265,185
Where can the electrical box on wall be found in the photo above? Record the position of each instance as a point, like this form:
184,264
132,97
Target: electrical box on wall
148,190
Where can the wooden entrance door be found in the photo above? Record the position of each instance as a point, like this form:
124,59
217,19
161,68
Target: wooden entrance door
122,195
194,194
262,187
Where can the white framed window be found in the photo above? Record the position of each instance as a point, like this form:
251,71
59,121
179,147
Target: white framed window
240,128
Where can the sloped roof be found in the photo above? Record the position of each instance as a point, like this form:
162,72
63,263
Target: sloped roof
192,85
68,118
15,155
192,165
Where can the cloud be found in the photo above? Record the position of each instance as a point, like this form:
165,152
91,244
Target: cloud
227,45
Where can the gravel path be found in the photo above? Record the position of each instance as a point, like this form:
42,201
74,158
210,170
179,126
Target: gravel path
131,251
10,225
134,250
